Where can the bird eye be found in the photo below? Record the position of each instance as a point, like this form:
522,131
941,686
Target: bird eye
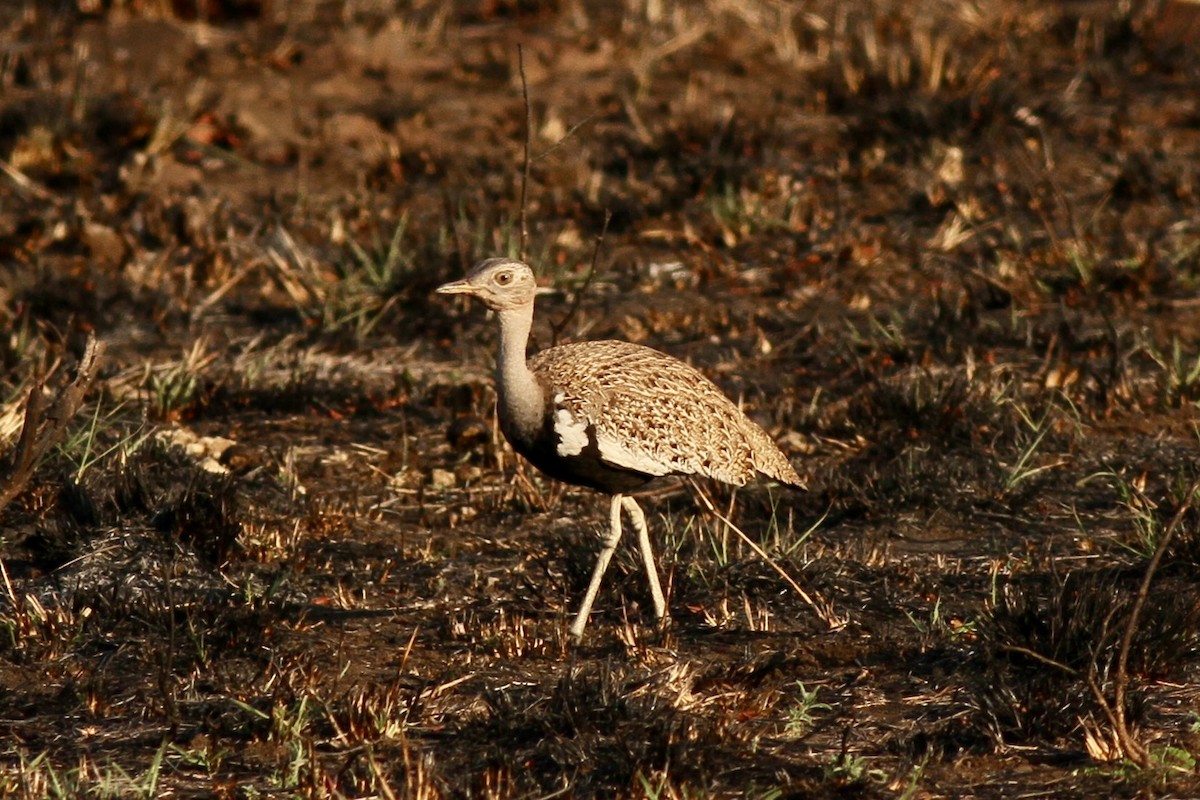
504,278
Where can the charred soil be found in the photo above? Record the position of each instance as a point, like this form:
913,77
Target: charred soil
947,254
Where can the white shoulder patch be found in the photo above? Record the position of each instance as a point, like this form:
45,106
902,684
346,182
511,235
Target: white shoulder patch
619,454
572,434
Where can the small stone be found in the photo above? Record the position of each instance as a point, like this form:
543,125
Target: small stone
468,473
442,479
467,431
240,458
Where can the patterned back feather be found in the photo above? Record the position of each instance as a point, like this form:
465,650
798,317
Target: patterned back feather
654,414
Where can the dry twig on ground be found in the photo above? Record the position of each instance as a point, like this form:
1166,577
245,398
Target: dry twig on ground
46,420
1130,747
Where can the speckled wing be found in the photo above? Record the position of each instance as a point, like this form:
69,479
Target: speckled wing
645,411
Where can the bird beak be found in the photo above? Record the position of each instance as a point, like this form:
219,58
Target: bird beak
455,287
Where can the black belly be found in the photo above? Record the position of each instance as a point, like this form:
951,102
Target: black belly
584,469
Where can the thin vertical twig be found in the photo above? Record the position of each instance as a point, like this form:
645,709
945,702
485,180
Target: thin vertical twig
556,328
448,206
166,660
1129,746
524,215
1121,679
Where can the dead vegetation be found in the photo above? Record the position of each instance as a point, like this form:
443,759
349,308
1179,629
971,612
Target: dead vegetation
271,544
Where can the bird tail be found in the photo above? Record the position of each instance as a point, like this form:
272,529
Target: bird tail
770,460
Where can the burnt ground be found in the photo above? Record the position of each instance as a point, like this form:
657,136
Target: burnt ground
948,254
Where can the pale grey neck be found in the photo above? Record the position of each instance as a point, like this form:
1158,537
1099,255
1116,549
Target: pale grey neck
522,403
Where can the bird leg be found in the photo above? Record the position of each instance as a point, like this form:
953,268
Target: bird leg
606,554
639,521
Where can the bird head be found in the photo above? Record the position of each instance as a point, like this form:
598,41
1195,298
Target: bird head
499,283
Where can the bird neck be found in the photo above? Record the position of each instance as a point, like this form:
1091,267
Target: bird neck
522,402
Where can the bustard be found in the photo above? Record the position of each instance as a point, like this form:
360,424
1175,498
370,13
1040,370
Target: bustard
612,416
